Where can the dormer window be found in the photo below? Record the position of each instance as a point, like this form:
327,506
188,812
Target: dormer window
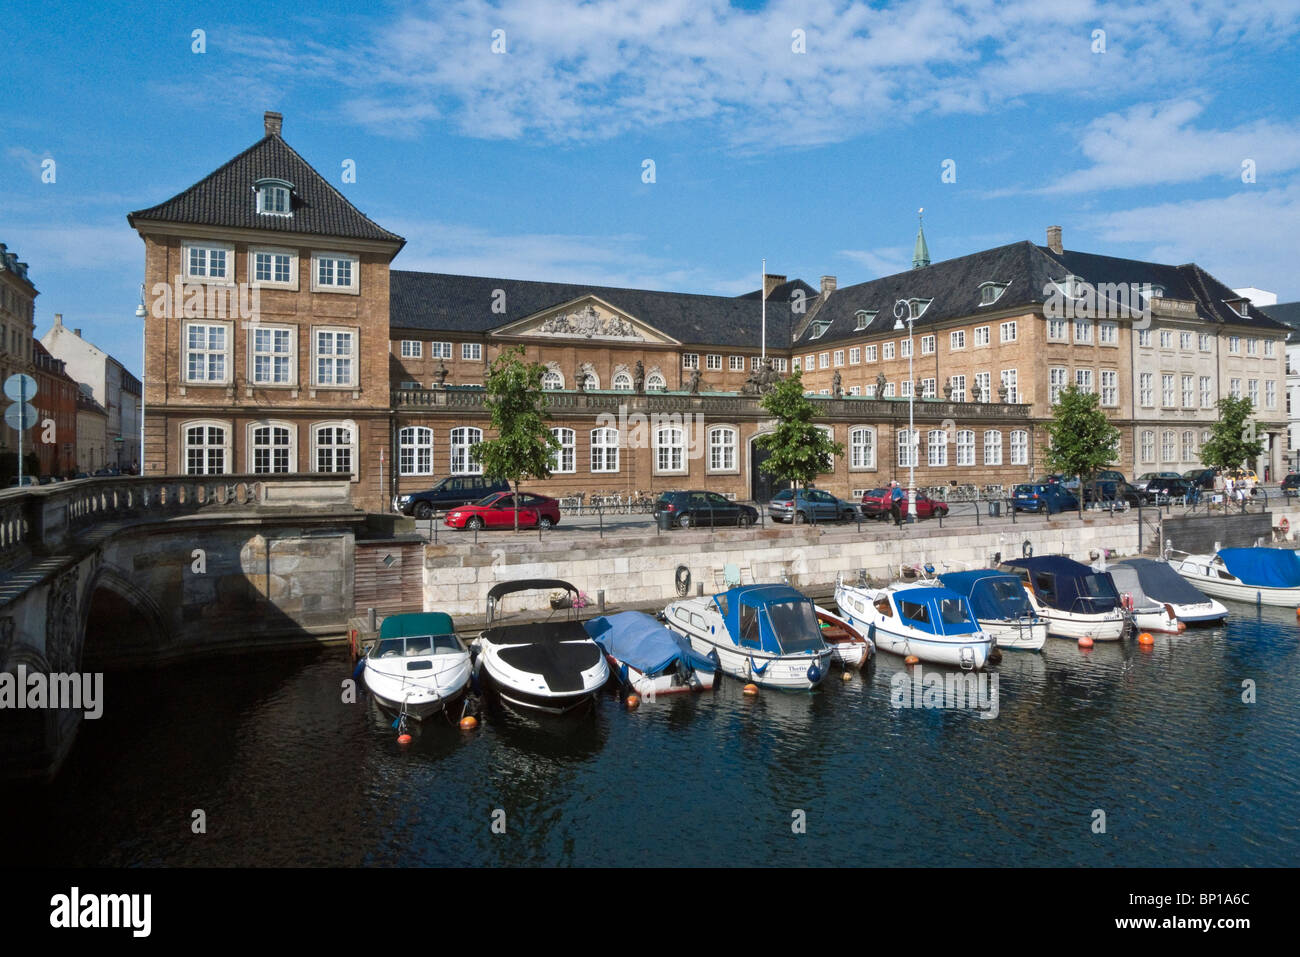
819,327
991,292
864,317
917,307
274,197
1240,306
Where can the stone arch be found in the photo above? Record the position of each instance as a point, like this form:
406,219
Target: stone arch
119,620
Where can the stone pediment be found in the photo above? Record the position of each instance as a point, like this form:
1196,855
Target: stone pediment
587,319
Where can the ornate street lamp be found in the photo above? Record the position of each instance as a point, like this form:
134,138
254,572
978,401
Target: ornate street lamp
903,309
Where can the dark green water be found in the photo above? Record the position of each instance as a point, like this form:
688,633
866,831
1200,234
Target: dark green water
286,774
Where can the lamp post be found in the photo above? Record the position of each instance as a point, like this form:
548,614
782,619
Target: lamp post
904,308
144,351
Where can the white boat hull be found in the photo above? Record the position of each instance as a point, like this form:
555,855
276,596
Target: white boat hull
1201,613
1207,578
958,651
651,687
529,691
1023,636
422,697
1103,626
1158,621
797,672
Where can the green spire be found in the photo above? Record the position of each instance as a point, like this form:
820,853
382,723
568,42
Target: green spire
920,252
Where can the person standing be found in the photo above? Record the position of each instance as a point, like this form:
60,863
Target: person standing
896,503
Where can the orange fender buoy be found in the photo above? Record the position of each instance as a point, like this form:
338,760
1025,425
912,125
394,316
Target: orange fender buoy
847,675
911,660
632,702
1085,642
751,689
1145,638
468,723
1182,627
403,739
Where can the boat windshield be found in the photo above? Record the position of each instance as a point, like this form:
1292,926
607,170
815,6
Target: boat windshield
1098,591
795,625
952,611
1011,595
419,645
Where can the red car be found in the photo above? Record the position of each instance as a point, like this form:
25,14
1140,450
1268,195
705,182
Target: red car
498,511
875,504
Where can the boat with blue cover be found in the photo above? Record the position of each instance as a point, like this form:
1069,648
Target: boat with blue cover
765,634
1076,601
1265,576
934,623
1001,607
650,657
418,665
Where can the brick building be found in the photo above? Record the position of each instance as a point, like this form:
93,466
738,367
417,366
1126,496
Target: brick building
56,403
357,367
17,322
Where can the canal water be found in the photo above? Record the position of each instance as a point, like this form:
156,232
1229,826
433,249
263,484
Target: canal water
1160,741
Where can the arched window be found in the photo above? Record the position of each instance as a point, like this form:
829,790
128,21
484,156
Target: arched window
463,460
722,449
553,380
670,450
993,447
906,448
563,459
334,447
206,447
622,382
1019,447
862,448
272,448
965,447
415,451
604,450
937,441
590,381
655,383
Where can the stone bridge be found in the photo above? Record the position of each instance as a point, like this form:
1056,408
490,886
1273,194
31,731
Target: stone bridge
107,573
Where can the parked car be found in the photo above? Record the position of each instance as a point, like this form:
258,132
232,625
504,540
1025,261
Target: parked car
875,504
1042,497
1142,481
813,505
697,507
1109,475
447,494
1202,477
498,511
1110,491
1162,490
1291,484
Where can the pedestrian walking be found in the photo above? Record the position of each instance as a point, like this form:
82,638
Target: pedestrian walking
896,503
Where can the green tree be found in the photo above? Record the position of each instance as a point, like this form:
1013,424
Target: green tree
524,446
1232,439
798,451
1083,440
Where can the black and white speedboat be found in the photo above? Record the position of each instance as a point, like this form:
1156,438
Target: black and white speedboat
551,666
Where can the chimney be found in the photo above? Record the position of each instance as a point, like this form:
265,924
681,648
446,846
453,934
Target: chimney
273,122
58,320
77,333
1054,239
828,285
770,282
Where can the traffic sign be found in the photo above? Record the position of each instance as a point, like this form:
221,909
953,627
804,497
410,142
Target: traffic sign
20,416
20,387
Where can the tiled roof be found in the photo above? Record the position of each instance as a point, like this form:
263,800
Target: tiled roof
226,197
1285,312
441,302
9,263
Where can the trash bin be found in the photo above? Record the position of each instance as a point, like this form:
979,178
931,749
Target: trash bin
995,509
664,518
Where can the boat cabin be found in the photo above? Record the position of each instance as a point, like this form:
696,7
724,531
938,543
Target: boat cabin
776,619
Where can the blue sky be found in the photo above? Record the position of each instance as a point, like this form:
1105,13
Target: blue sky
529,163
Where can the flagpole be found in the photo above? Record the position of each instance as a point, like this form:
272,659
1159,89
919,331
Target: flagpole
764,288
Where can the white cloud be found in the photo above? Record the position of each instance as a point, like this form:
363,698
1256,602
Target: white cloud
881,261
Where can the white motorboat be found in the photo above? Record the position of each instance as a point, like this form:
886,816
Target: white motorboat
418,665
650,657
1160,599
1001,607
1265,576
764,634
928,620
850,647
552,667
1076,601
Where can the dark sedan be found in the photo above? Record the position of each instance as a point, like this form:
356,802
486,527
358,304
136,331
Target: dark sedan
697,507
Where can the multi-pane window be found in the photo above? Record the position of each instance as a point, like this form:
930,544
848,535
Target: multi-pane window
1252,391
871,353
335,272
604,450
906,388
1234,344
722,450
855,390
957,339
1234,388
205,352
1108,333
1083,380
927,345
670,450
1167,445
1057,378
412,348
1145,394
965,447
906,448
927,388
887,351
272,267
335,351
272,356
993,447
1083,330
958,388
1007,332
333,448
1189,446
1167,390
1019,447
855,355
273,200
463,459
981,335
690,360
440,350
415,451
272,449
552,380
824,360
737,363
889,390
1109,387
983,380
712,361
905,349
937,443
1185,341
809,363
1189,391
205,450
622,382
472,351
1057,330
1203,341
1269,345
1166,339
1270,394
1148,446
1009,382
798,362
779,365
862,448
209,262
1252,347
1144,337
838,358
655,383
1207,392
564,459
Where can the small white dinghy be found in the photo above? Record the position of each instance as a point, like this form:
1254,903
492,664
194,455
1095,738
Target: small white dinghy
927,620
418,665
1265,576
850,647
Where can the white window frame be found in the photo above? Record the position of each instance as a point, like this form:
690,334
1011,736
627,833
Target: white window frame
1147,441
908,453
552,381
250,437
353,445
564,460
936,442
622,381
1010,378
1108,387
225,447
713,362
277,191
655,382
226,352
1083,331
1108,333
887,351
824,360
1058,378
723,441
958,388
670,450
471,351
993,447
604,447
1058,330
415,450
412,349
855,355
460,450
1146,389
1188,383
690,360
352,288
736,363
228,279
870,353
273,251
927,345
1007,331
1207,392
1083,380
1019,447
957,340
353,357
862,448
965,447
982,336
837,358
253,354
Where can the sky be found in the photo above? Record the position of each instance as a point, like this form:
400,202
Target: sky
807,133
